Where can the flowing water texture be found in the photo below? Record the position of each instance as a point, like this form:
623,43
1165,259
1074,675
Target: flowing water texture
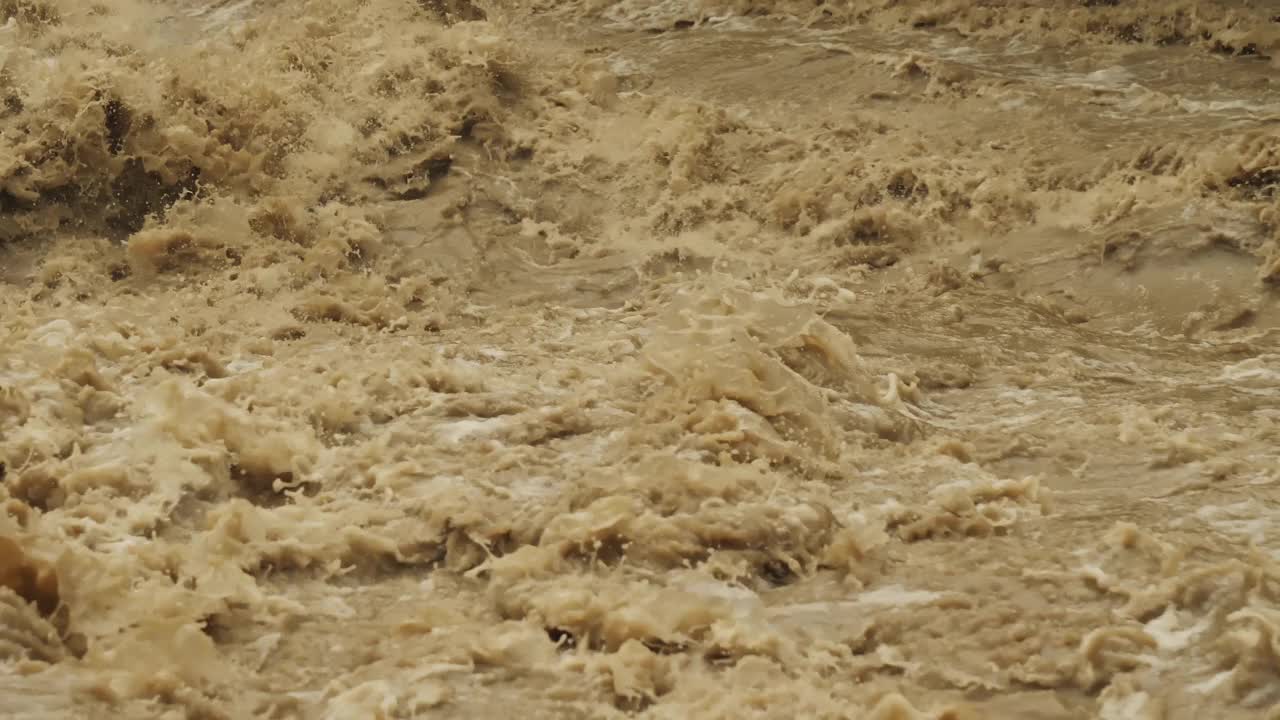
628,358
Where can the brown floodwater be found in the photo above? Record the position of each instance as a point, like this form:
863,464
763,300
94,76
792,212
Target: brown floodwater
610,359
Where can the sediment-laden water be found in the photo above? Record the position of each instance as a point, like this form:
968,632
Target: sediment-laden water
416,358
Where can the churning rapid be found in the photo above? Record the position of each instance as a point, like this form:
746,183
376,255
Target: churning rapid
640,358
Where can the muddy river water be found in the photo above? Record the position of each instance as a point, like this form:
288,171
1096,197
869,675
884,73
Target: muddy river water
608,359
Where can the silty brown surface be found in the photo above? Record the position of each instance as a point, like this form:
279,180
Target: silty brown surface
415,358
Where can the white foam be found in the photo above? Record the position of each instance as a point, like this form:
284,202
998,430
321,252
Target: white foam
460,430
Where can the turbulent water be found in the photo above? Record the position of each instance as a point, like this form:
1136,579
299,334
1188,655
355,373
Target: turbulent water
626,358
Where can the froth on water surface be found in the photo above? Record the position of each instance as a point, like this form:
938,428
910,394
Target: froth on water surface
435,358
